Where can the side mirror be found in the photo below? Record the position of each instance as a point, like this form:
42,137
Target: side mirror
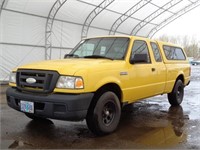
139,58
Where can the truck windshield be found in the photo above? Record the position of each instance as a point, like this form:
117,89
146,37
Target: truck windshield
108,48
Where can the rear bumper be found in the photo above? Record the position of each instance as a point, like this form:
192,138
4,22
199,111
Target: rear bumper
56,106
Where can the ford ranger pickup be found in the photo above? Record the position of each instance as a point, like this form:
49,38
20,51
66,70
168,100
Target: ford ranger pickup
98,78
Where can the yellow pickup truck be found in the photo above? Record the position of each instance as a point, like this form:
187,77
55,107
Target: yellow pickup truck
97,78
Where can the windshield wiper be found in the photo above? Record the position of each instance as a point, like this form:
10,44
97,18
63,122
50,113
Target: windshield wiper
97,56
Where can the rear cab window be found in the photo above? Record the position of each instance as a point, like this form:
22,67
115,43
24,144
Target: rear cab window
156,52
174,53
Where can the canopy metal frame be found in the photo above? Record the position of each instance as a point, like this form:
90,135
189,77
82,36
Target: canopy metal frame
114,28
123,17
3,4
49,25
127,15
93,14
167,6
173,17
86,25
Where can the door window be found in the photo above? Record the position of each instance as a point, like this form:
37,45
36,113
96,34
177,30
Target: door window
140,47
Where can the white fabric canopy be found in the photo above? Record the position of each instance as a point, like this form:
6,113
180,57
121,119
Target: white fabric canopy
23,24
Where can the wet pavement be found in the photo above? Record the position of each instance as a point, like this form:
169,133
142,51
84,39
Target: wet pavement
150,123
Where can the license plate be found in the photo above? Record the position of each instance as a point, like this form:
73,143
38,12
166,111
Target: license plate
27,106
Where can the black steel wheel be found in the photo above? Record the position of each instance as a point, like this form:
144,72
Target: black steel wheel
104,114
176,96
108,113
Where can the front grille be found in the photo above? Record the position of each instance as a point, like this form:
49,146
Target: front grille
44,81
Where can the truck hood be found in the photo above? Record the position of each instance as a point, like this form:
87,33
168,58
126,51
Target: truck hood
65,66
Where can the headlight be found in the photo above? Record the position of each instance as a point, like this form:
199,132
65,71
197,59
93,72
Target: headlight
69,82
12,78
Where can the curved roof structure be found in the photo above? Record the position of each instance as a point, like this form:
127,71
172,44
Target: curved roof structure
33,30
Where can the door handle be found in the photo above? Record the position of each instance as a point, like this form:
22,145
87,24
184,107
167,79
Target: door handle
153,69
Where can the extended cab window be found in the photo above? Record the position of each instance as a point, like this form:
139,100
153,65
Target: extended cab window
140,49
156,52
173,53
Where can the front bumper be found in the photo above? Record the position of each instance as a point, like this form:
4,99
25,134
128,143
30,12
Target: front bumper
70,107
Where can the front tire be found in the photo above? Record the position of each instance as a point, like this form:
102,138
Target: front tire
104,114
176,96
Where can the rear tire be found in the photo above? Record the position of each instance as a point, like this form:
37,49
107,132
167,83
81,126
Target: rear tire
104,114
176,96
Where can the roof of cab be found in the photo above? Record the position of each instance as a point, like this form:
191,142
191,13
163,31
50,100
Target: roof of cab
123,36
138,37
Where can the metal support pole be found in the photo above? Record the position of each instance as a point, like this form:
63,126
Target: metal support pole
3,4
49,24
173,17
93,15
154,15
127,15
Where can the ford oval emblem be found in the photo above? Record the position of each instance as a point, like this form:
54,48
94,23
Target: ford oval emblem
31,80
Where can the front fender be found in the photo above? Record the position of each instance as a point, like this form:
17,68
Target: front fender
107,80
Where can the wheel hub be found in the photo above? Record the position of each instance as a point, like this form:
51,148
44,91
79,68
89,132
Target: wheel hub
178,93
108,113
